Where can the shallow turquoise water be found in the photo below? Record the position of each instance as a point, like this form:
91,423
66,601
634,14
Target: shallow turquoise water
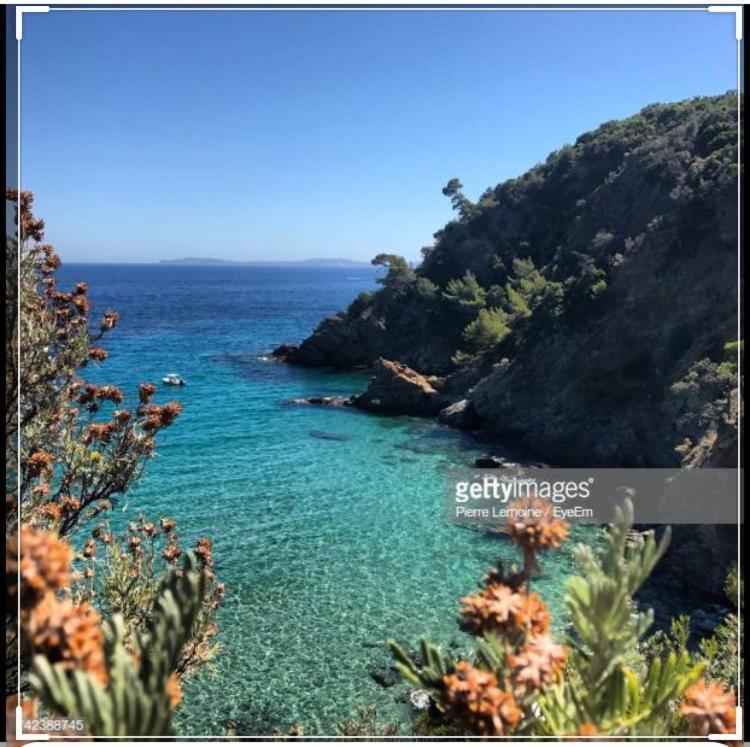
327,524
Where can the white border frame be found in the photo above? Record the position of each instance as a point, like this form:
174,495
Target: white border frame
440,5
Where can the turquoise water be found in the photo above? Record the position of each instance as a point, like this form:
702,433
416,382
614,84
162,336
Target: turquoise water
327,524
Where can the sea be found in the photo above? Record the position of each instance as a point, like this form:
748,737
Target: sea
327,524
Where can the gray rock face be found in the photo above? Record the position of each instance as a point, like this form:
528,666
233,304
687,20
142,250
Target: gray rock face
460,415
390,326
490,462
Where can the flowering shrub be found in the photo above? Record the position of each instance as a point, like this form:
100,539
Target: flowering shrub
121,575
521,681
110,624
116,681
116,678
81,445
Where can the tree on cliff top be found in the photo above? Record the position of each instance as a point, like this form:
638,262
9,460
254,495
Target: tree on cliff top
398,272
461,204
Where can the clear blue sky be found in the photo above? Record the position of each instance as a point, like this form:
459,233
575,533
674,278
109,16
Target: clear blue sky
286,135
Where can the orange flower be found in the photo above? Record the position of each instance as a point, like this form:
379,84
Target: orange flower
538,664
99,432
109,320
29,227
146,391
44,567
168,524
174,690
70,504
60,298
499,609
587,729
710,709
40,463
41,489
203,551
98,354
171,553
152,423
169,412
81,303
68,634
111,393
161,416
51,511
536,528
472,697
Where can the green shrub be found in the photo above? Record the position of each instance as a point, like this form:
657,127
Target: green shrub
490,328
426,289
465,292
135,699
398,272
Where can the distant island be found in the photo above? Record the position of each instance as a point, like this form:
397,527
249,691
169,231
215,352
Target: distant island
315,262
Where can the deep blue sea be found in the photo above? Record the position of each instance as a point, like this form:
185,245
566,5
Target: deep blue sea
327,525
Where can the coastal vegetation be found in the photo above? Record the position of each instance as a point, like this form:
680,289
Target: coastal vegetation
111,620
590,284
583,313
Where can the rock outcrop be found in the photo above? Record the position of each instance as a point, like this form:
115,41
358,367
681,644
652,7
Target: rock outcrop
634,227
398,389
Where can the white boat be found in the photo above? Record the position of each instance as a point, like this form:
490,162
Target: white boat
174,379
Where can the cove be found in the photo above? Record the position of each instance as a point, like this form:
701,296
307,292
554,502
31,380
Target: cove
327,547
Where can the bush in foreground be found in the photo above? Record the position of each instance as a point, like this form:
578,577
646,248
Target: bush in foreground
522,681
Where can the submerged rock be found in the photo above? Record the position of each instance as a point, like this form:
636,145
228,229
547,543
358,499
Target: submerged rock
385,676
333,401
325,436
398,389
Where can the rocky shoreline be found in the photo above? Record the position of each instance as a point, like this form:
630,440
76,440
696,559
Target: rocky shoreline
584,313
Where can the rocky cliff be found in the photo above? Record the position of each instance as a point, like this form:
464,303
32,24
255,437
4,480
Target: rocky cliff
586,310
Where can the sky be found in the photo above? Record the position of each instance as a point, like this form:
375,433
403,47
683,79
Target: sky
273,135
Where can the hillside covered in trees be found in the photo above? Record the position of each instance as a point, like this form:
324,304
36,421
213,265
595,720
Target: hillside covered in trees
585,311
